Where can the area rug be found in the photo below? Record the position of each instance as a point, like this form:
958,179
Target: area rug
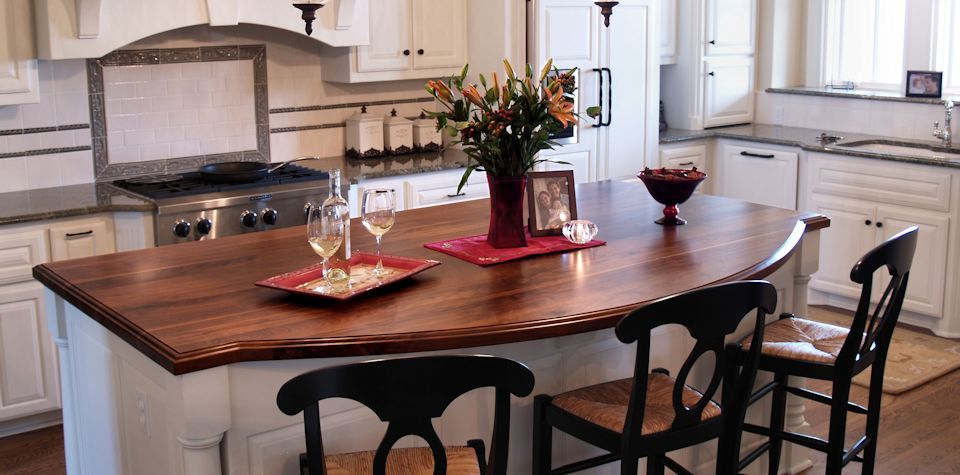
914,358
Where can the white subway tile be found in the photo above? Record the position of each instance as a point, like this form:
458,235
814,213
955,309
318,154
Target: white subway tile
214,84
212,116
123,155
284,146
226,99
186,117
185,149
70,75
14,173
61,139
73,108
249,127
43,171
242,84
119,123
76,168
22,143
41,114
10,118
169,134
138,137
45,76
282,92
135,106
136,73
228,129
114,140
152,121
182,86
241,113
197,101
82,137
240,144
311,142
166,103
212,146
123,90
333,142
198,132
111,75
225,68
152,88
3,144
155,152
195,70
113,107
165,72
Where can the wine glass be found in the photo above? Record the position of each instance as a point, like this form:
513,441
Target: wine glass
377,213
325,228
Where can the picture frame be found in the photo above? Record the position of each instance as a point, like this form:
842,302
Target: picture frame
551,198
924,84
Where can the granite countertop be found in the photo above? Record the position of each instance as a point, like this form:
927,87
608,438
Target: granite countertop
66,201
356,170
806,140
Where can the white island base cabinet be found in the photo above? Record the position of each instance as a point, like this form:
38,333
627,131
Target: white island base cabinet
124,414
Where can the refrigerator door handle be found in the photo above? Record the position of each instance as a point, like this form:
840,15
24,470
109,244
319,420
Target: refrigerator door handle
609,96
600,103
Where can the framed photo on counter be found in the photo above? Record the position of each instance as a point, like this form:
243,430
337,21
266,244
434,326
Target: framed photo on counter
552,202
924,84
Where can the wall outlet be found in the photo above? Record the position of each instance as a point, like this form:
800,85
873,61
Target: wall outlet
143,412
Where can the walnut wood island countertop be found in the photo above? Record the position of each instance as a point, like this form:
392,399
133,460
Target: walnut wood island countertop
193,306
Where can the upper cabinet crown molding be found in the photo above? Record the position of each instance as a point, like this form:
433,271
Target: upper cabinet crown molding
92,28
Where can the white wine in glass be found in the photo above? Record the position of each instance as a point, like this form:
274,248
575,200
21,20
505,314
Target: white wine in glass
378,212
325,228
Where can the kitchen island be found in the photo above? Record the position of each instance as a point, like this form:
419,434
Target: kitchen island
171,358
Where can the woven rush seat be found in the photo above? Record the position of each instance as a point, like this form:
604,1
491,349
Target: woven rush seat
461,460
804,340
606,404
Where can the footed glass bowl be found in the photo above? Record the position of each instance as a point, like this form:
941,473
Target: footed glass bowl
671,187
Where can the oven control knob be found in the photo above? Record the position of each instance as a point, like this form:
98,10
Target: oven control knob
270,216
248,218
204,226
181,228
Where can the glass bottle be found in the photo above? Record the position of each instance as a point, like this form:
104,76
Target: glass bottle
339,272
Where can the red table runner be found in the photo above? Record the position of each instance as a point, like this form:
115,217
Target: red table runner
476,250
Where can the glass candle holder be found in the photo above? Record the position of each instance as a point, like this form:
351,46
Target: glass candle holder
580,231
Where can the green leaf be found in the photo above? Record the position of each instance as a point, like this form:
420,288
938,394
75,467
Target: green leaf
594,111
483,80
465,177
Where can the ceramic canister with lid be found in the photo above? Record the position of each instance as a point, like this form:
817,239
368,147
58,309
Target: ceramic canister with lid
364,135
426,137
397,134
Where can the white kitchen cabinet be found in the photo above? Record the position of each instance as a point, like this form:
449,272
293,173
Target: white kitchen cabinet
580,162
668,31
82,238
409,39
625,55
433,189
730,27
688,156
761,175
19,82
29,383
728,91
925,291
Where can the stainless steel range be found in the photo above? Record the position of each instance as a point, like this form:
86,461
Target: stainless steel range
189,209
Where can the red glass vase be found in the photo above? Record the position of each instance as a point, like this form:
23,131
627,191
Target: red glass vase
506,211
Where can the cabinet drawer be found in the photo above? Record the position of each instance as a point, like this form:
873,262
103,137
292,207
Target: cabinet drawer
84,238
19,252
884,182
758,175
433,193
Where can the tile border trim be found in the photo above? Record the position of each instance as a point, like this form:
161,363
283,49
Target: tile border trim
350,105
45,151
105,171
40,130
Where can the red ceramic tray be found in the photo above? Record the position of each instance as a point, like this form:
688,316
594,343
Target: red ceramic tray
307,281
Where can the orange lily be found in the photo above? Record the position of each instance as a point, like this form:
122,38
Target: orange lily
559,108
473,95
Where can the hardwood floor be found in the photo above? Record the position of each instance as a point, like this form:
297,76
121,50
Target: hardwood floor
33,453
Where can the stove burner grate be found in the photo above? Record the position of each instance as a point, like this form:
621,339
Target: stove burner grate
169,186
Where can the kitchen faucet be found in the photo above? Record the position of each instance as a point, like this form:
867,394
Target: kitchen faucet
946,133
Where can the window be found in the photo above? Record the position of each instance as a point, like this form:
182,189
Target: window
864,42
948,45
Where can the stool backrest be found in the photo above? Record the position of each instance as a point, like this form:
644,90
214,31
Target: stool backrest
871,331
407,393
709,314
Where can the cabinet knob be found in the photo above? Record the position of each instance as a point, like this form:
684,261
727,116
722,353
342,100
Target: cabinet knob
711,73
868,222
879,224
420,51
406,52
713,42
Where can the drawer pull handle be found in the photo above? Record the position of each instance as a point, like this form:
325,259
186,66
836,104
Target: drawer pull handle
76,235
757,155
685,164
450,195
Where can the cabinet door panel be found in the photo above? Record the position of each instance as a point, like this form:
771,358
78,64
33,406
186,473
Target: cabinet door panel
842,244
762,176
668,31
730,27
929,270
19,82
440,31
81,239
728,91
389,38
28,379
579,162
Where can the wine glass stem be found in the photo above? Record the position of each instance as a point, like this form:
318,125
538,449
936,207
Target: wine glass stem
379,268
326,268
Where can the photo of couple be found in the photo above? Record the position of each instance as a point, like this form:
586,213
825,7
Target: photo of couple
552,202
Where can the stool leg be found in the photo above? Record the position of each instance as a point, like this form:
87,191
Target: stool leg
838,425
542,437
655,465
777,414
873,414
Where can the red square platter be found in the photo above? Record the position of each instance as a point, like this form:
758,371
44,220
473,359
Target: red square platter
307,281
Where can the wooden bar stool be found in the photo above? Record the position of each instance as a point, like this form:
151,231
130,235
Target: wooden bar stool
796,347
408,393
652,413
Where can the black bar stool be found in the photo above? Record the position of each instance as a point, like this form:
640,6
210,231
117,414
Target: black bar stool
652,413
796,347
408,393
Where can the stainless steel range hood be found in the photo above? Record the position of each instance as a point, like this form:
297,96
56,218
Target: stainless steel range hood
92,28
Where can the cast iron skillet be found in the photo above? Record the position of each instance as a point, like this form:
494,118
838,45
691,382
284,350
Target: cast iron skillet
241,172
